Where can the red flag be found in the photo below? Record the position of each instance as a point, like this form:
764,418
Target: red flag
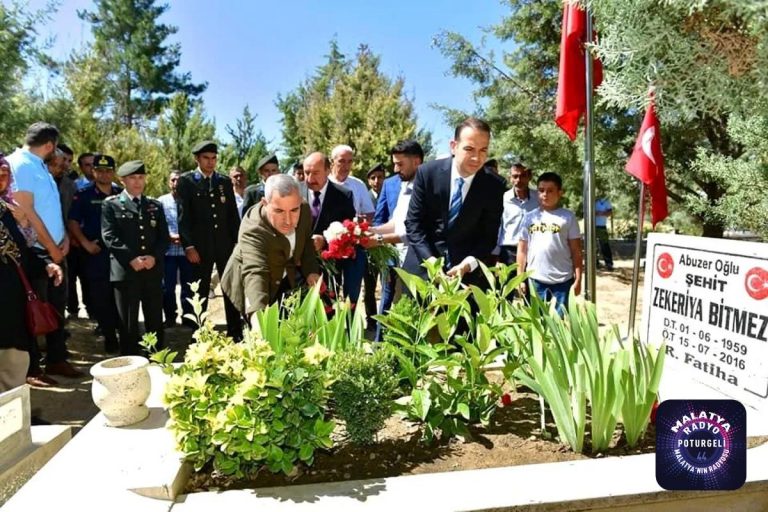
647,164
572,80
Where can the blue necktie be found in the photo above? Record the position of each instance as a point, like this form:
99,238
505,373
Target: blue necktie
455,206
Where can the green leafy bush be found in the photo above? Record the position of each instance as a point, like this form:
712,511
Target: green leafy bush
445,346
245,406
363,391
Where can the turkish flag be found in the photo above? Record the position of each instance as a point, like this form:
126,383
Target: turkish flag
572,78
647,164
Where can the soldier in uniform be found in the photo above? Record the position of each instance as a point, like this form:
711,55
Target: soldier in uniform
208,225
84,225
135,232
267,166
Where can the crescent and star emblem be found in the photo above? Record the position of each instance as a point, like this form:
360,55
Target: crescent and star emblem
665,265
646,143
756,283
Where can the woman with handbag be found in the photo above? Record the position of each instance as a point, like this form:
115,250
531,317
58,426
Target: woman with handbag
17,264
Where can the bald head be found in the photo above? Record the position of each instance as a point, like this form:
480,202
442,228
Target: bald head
316,169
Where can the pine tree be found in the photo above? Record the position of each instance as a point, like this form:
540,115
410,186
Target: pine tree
349,102
708,63
134,64
182,125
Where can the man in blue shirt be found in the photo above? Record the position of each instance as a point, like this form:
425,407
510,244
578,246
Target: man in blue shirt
85,226
407,156
177,268
37,194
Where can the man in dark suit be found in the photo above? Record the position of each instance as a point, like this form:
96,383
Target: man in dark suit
267,166
328,203
456,207
274,253
135,233
208,225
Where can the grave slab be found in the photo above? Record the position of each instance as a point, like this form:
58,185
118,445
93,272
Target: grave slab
614,483
102,466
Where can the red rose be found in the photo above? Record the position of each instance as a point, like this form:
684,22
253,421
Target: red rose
364,226
506,400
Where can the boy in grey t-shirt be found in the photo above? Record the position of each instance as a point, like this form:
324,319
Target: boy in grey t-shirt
550,245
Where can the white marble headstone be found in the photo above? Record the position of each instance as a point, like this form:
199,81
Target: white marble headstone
15,417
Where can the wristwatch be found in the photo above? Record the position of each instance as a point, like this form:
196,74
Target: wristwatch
379,238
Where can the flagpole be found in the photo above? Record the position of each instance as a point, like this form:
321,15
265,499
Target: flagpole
636,266
589,171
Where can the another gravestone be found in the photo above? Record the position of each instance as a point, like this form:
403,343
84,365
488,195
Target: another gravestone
23,451
15,433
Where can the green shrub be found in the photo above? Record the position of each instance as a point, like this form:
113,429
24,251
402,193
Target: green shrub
443,346
243,406
363,389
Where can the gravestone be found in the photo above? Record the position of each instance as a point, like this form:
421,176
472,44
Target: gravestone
24,449
707,299
15,416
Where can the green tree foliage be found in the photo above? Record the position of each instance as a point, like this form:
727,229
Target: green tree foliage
516,94
134,66
248,146
18,48
708,62
349,102
180,127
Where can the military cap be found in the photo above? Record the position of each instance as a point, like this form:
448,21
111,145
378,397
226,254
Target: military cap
102,161
376,168
269,159
207,146
132,167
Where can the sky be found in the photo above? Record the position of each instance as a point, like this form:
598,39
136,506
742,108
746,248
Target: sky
251,51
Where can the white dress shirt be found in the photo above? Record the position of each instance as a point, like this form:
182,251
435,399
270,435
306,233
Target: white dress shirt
360,195
470,260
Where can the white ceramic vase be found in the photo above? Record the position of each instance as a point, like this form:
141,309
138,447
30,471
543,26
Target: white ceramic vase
120,388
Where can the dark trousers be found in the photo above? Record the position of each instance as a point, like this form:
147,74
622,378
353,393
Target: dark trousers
56,348
178,269
202,273
508,254
104,309
605,246
388,283
370,278
352,272
148,292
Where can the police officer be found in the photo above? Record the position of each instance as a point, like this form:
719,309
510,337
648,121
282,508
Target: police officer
208,224
84,225
134,230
